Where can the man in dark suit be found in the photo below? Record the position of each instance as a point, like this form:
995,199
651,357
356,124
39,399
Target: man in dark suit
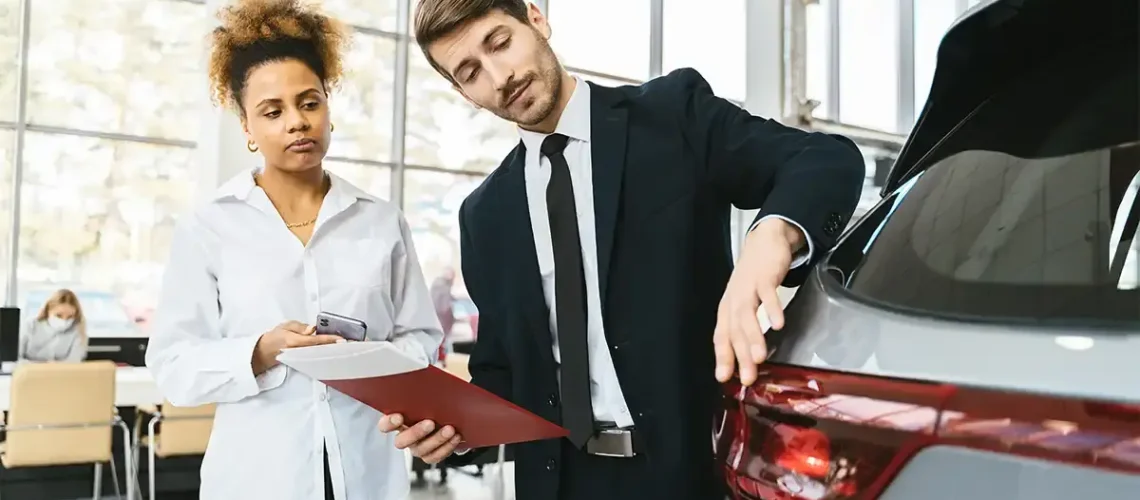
599,255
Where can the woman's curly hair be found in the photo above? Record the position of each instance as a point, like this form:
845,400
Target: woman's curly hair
254,32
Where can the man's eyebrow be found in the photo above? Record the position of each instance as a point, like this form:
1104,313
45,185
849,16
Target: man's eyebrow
486,41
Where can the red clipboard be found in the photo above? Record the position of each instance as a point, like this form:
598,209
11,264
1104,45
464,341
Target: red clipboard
383,377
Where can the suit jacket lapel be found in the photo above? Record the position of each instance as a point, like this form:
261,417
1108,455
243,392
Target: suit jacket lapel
517,230
608,127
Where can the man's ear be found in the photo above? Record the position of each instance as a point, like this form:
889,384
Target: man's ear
538,20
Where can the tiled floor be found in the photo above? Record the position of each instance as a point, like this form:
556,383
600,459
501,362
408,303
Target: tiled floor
461,485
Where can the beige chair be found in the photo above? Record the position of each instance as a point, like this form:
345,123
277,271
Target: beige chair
456,364
185,432
62,414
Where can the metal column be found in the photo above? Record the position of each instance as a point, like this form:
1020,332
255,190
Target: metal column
796,109
906,108
18,159
656,36
834,105
400,100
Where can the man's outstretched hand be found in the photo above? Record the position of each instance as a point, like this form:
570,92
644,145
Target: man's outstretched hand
427,443
764,262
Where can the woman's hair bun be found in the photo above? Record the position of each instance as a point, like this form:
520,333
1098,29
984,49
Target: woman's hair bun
254,32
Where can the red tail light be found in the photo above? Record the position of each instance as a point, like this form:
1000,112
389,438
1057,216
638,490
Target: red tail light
810,435
804,451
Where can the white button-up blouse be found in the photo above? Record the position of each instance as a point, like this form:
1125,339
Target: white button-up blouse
235,272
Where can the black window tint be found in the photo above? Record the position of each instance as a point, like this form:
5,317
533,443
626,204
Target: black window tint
1029,209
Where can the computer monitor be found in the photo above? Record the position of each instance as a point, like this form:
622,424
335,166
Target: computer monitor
9,333
130,351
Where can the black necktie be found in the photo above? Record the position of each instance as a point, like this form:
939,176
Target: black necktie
569,295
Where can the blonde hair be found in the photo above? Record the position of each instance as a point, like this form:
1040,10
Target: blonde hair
65,297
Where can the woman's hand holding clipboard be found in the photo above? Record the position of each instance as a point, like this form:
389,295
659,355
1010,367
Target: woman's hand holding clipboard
393,382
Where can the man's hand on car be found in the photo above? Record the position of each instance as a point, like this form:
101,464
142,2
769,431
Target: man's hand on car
763,264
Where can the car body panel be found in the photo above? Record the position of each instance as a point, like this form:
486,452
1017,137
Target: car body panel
831,329
952,473
974,335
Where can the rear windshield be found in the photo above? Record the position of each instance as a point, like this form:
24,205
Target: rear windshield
1029,208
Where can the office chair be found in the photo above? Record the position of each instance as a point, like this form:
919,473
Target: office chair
63,414
185,432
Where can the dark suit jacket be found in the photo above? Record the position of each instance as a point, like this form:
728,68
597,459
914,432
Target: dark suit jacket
669,160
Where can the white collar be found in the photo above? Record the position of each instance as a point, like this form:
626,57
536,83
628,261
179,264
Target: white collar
574,122
240,186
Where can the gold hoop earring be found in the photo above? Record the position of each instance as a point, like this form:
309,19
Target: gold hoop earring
251,146
332,127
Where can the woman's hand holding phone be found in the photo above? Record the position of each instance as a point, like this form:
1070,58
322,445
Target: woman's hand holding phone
284,336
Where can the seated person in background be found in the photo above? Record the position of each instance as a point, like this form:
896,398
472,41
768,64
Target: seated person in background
57,333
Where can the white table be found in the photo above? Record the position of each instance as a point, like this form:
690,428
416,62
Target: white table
134,386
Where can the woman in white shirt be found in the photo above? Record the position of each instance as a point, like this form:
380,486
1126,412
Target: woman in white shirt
250,268
57,333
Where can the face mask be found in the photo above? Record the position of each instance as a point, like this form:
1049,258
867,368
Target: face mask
59,324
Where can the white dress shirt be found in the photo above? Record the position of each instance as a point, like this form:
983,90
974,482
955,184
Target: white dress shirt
235,272
608,402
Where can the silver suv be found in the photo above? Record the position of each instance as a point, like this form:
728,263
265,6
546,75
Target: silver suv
976,335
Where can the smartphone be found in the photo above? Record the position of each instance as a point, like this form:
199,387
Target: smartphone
343,326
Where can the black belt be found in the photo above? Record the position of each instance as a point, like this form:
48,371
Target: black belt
612,441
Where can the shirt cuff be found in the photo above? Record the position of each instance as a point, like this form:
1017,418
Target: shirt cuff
272,378
414,343
803,256
243,368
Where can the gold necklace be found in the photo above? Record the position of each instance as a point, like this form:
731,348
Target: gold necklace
295,225
300,224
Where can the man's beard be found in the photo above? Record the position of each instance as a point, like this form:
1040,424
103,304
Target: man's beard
543,105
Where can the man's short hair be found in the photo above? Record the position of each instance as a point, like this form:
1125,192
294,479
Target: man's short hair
436,19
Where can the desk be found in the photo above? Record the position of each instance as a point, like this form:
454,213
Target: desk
134,386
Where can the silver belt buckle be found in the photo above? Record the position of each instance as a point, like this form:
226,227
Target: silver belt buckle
611,443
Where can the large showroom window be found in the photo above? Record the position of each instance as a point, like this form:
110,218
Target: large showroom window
112,111
116,105
711,40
